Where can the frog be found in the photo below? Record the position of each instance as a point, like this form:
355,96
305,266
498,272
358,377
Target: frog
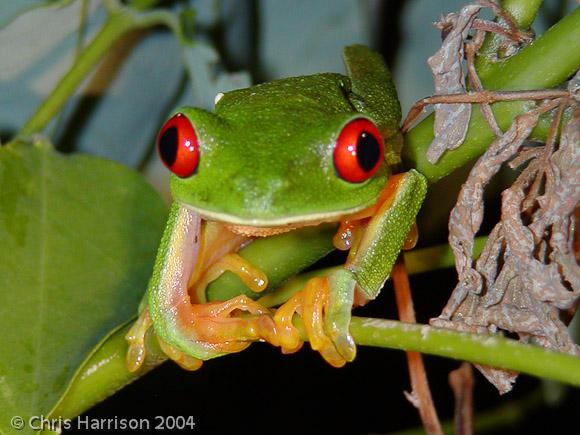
299,154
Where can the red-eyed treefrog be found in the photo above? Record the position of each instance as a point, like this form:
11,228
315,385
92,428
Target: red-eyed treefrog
278,158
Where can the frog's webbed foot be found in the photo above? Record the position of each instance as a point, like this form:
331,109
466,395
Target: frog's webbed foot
324,305
218,328
135,337
183,360
137,350
214,329
221,328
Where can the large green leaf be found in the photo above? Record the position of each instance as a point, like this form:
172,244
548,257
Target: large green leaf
78,236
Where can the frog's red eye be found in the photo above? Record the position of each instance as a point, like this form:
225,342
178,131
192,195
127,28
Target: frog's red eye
178,147
359,151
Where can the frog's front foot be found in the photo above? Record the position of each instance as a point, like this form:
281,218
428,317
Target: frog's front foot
208,331
137,348
324,305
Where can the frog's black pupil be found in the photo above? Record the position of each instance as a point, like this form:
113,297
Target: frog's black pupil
168,146
368,151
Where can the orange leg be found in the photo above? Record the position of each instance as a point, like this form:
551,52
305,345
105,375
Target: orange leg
252,277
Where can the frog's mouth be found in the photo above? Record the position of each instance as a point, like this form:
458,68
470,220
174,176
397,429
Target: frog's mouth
250,231
265,228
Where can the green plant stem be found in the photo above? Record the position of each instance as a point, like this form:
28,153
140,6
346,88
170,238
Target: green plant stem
105,372
113,29
523,14
544,64
117,25
549,61
489,350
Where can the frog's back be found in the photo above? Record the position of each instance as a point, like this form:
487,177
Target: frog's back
297,97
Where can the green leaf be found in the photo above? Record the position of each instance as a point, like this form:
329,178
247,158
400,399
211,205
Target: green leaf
104,372
78,236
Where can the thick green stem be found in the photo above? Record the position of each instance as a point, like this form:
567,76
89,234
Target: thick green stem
544,64
547,62
523,14
482,349
105,372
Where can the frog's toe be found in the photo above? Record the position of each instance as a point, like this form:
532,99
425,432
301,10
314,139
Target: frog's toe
183,360
344,344
316,296
136,349
287,336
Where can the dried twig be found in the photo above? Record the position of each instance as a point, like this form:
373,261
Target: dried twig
527,280
420,396
471,49
480,97
461,381
451,122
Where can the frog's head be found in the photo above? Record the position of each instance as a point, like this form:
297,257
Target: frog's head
270,158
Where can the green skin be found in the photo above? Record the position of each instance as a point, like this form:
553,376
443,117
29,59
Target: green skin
266,160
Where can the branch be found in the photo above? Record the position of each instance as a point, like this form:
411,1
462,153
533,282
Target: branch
489,350
105,372
546,63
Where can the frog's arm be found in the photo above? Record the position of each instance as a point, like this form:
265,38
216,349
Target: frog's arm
167,294
373,92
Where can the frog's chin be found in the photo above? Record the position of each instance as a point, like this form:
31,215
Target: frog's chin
267,227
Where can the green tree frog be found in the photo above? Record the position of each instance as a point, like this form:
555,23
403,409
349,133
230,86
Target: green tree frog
275,158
